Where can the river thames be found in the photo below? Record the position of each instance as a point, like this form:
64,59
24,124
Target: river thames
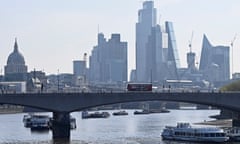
130,129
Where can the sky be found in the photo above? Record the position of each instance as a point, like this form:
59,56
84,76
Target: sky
53,33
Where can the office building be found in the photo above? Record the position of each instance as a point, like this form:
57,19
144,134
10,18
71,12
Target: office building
214,62
156,50
173,61
154,67
108,61
146,20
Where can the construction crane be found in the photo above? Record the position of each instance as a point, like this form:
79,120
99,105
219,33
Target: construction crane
232,42
85,57
190,43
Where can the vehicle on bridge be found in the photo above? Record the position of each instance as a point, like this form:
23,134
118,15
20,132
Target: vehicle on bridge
139,87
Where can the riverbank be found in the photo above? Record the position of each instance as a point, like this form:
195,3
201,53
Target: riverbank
220,123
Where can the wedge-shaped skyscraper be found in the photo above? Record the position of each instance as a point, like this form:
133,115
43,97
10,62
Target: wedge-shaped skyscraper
214,62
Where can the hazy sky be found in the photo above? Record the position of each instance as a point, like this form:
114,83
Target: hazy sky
53,33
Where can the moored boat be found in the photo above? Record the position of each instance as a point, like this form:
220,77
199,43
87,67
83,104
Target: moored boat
120,113
36,121
141,112
185,132
159,111
86,115
39,122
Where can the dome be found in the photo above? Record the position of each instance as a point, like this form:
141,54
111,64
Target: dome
15,57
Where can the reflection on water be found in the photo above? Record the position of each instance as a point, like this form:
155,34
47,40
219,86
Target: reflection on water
130,129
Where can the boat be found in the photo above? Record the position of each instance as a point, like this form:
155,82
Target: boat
38,122
120,113
86,115
27,120
233,133
159,111
43,122
141,112
185,132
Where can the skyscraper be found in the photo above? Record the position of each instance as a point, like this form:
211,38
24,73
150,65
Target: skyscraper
173,57
154,58
108,62
214,63
146,20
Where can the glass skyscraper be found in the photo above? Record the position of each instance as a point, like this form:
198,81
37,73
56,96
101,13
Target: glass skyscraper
214,63
173,61
146,20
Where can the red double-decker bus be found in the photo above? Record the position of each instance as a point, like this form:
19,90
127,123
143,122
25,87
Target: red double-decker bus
139,87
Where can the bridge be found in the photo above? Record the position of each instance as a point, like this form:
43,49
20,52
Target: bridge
62,104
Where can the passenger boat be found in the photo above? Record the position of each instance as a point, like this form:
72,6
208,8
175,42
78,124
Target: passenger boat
86,115
185,132
233,133
120,113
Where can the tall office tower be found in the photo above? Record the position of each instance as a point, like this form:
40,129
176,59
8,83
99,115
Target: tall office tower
146,20
15,70
108,62
154,55
173,61
214,63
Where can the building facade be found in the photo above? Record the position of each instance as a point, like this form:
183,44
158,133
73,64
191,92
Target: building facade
173,61
15,70
108,61
156,49
146,20
214,62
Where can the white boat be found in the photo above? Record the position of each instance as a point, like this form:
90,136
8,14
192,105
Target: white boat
185,132
233,133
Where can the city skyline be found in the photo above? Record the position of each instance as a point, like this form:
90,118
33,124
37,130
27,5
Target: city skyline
51,36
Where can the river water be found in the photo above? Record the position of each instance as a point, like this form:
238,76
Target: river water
130,129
